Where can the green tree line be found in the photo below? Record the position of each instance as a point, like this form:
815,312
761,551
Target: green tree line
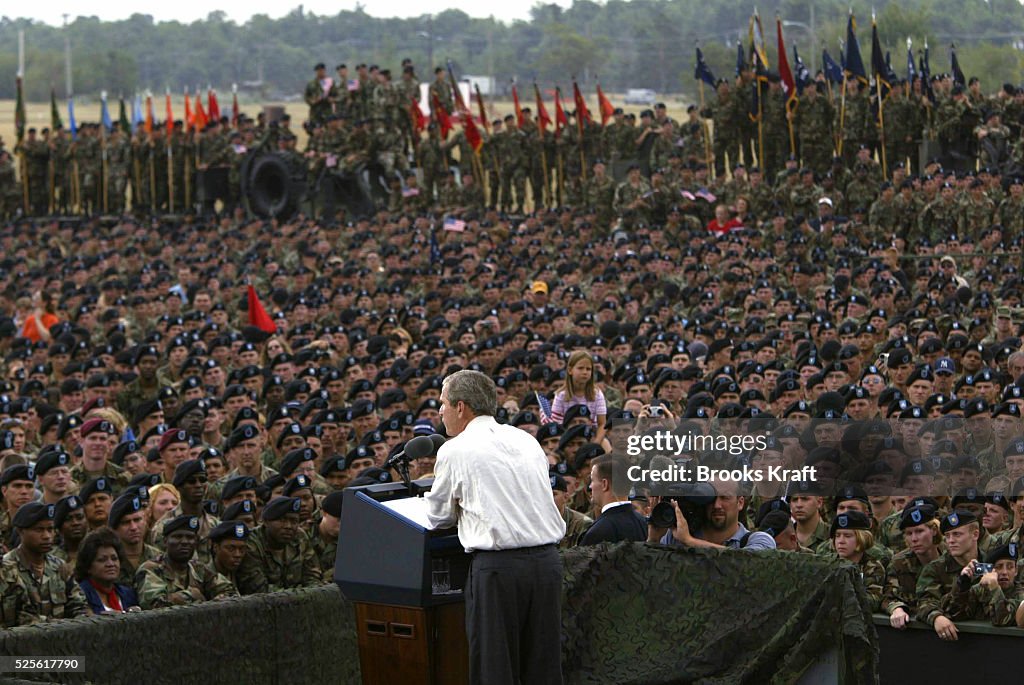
634,44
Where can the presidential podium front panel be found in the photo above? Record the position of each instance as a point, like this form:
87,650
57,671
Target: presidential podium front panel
406,582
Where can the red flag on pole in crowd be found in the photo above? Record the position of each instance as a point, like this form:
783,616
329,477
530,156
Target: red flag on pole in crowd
605,105
148,125
785,73
234,104
582,113
561,121
190,122
258,316
519,110
170,114
212,107
419,121
543,120
200,116
473,136
443,120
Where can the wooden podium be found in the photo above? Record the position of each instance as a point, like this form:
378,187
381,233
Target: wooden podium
406,583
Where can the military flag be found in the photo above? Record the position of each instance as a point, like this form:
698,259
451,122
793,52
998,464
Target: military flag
911,71
833,72
561,121
72,126
702,72
122,117
801,73
190,123
605,105
419,121
19,110
201,119
235,113
105,119
169,114
785,74
55,120
516,106
212,107
958,74
741,60
543,119
483,111
582,113
854,64
149,113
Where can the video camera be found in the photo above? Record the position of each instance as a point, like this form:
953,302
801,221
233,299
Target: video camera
692,498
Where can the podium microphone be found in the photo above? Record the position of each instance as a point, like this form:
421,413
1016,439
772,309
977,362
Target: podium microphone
417,448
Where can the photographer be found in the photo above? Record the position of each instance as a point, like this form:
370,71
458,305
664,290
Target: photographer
717,526
994,597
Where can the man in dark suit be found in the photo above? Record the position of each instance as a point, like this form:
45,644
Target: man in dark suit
609,491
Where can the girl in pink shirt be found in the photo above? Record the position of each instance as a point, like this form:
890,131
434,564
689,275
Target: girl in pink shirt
579,388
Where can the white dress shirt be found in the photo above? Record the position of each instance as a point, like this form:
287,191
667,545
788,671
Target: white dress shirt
492,480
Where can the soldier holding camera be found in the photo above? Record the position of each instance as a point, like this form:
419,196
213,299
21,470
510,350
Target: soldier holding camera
988,591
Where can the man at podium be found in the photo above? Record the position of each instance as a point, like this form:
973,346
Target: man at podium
492,481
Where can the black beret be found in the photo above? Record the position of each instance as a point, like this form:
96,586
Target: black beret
331,465
122,506
229,530
237,484
299,482
183,522
65,506
292,460
332,504
240,434
32,513
17,472
956,519
246,506
96,486
850,520
186,470
280,506
51,460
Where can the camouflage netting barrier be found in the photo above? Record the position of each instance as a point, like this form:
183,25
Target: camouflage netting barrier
633,614
298,636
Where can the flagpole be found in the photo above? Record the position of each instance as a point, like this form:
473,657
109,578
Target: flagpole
546,195
842,118
760,122
22,156
704,130
185,165
881,129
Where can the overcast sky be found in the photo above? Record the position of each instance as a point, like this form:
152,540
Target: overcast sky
240,10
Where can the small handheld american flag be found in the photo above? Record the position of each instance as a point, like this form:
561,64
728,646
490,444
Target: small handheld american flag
545,408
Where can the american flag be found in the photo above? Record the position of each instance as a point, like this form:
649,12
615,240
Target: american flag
545,408
453,224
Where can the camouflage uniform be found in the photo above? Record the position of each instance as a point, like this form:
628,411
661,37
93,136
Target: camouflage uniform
207,522
1011,216
117,476
975,216
981,603
626,194
814,132
901,583
267,570
158,585
937,220
128,570
599,193
325,550
576,524
514,165
27,598
936,580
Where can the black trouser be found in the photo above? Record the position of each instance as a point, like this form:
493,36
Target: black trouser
514,617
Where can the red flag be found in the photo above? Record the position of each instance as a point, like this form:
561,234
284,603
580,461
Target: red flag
473,136
443,120
234,105
561,121
190,122
419,122
785,73
605,105
483,113
543,120
170,115
212,107
200,115
148,125
582,113
258,316
460,104
519,110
